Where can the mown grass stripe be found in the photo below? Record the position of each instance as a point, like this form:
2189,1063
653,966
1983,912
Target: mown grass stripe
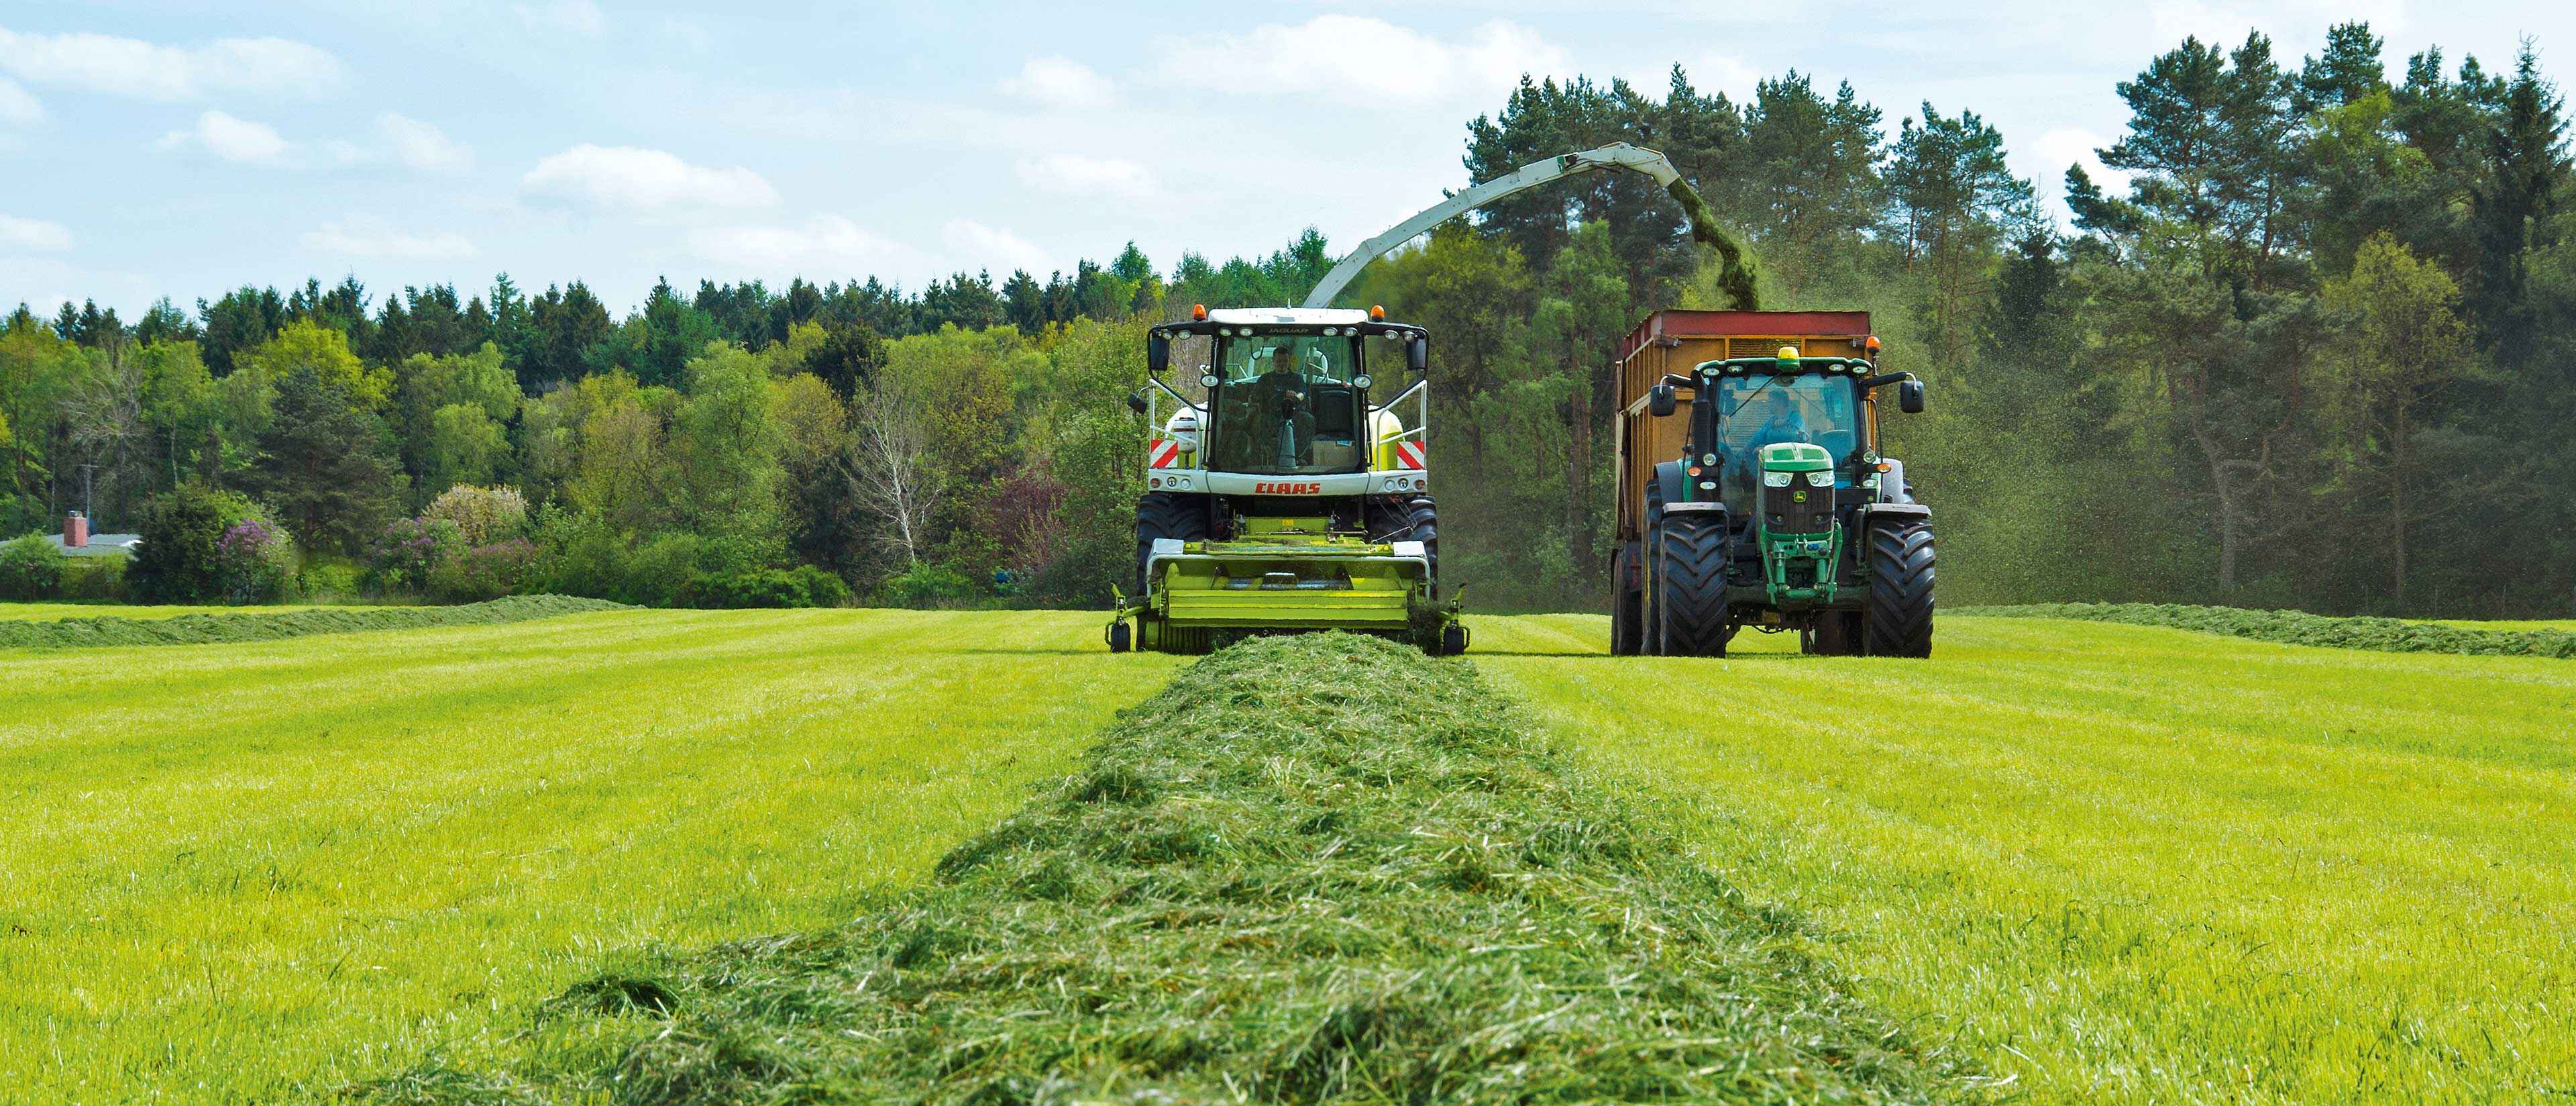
2384,635
1315,869
209,629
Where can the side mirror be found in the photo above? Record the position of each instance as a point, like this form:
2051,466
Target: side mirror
1417,354
1136,401
1158,353
1909,397
1660,400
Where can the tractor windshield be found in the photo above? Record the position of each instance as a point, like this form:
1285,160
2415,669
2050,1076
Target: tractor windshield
1761,409
1285,405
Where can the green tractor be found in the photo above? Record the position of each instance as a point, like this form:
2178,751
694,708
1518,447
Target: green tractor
1283,499
1781,514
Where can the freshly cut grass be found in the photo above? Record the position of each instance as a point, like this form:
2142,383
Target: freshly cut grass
2128,864
2387,635
2563,624
47,612
1315,869
250,873
210,629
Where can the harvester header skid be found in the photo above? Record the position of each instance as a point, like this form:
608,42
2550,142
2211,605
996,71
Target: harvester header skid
1281,494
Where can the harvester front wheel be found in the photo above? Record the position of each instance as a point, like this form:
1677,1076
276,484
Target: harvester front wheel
1165,515
1397,519
1627,603
1690,586
1898,620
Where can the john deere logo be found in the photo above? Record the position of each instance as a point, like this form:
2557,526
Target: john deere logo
1797,497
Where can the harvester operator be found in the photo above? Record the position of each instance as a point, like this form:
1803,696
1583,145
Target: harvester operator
1281,407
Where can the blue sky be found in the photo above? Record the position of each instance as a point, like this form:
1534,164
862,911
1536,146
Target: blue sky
182,148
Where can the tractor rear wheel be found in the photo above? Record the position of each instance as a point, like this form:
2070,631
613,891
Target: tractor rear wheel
1898,619
1627,603
1690,585
1165,515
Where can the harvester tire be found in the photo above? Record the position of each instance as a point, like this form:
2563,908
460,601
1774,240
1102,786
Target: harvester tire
1119,642
1627,603
1453,641
1690,586
1397,519
1165,515
1898,620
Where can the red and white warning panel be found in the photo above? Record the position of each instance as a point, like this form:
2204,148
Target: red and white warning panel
1161,454
1410,455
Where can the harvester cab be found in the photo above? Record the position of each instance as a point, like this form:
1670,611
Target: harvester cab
1777,510
1281,493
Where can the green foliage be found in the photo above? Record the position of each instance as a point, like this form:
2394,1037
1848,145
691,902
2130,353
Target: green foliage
306,346
481,515
180,560
30,569
927,583
328,465
1274,883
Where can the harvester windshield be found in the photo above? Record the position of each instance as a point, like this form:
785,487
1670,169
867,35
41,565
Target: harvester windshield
1285,404
1762,409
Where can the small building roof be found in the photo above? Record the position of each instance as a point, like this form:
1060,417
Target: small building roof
100,545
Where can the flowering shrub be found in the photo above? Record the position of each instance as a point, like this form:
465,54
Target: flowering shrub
253,562
484,572
483,515
410,550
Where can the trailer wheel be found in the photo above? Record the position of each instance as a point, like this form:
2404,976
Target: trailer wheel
1835,634
1898,619
1627,603
1690,585
1165,515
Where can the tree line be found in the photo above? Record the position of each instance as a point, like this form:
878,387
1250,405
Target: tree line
2311,355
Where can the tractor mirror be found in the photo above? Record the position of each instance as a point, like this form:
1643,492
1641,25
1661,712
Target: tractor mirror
1158,353
1136,401
1660,399
1417,353
1909,397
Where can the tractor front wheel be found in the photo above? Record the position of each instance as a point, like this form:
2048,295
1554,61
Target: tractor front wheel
1898,619
1690,585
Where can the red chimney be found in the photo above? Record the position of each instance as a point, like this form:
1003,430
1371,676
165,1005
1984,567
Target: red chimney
75,531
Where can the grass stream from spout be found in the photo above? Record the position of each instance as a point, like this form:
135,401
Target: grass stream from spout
1313,869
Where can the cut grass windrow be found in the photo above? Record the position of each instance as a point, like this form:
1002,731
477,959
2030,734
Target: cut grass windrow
2385,635
209,629
1315,869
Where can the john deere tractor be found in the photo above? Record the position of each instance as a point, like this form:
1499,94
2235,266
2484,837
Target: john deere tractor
1779,514
1282,498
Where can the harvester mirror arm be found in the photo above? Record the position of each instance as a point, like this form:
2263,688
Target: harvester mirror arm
1167,390
1400,397
1617,155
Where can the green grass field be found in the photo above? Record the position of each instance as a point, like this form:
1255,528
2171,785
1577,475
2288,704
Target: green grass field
2130,864
232,870
2110,863
46,612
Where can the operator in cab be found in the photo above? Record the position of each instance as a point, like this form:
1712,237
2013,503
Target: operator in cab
1282,407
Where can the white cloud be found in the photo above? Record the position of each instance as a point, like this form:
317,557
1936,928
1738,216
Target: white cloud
2057,149
1360,59
824,245
422,145
637,180
1081,175
581,17
232,139
33,234
142,70
972,245
372,240
1059,83
17,108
